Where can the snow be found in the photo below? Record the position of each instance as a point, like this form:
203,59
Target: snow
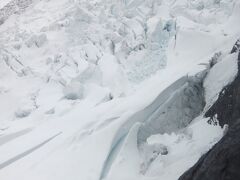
127,158
79,77
3,3
113,77
219,77
185,147
183,150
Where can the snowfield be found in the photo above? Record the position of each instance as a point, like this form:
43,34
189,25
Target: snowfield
109,89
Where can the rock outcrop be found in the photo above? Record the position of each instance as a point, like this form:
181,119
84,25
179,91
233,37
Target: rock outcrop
222,162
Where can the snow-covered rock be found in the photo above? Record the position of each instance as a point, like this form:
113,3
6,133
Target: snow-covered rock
83,84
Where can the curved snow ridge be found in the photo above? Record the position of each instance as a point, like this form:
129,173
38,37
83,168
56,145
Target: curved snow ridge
185,104
193,94
139,117
127,152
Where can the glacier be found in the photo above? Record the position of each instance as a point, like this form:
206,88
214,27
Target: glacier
109,89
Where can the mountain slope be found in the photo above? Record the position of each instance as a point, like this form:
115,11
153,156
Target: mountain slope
222,161
85,86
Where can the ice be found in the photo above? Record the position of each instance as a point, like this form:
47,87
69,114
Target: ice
218,78
83,84
74,90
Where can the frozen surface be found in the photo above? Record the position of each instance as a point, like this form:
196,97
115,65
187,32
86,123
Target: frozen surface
3,3
220,76
77,79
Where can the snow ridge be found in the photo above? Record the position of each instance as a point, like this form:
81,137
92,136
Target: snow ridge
101,72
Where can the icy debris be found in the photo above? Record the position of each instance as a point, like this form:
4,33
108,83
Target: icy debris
11,7
107,73
56,26
74,90
37,40
206,12
149,153
92,74
3,90
112,75
50,111
92,54
154,58
17,46
25,110
21,113
83,15
28,104
64,67
13,62
41,39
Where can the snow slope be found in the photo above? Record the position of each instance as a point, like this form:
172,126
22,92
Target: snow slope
77,79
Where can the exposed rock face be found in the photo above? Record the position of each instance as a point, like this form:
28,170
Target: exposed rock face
222,162
227,107
236,47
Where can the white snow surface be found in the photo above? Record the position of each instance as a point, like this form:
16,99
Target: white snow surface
221,77
72,73
4,3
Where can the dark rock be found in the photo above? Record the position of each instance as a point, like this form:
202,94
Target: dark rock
222,162
227,107
236,47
